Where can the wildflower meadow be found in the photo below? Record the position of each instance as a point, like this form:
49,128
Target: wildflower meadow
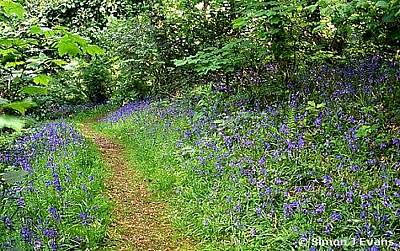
200,125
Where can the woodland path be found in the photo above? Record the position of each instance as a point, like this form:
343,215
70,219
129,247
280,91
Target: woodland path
138,221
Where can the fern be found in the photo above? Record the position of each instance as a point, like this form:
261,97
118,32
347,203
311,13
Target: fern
292,122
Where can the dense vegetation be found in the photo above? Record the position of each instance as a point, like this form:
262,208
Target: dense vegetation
263,124
53,200
322,164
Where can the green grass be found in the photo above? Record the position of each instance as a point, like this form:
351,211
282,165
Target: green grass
91,114
150,145
60,199
204,199
150,141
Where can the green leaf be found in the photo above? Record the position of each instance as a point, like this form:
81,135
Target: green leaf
36,30
34,90
42,79
14,64
382,4
71,65
3,101
94,50
12,122
77,39
179,62
59,62
13,177
11,8
66,46
311,103
239,23
10,51
311,8
187,151
364,131
21,106
13,42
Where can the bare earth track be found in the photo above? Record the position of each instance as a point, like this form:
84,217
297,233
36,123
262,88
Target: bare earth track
138,222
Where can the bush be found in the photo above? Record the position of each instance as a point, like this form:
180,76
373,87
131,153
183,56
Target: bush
88,17
96,78
131,46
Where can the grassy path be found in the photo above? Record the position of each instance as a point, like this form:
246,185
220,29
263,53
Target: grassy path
138,222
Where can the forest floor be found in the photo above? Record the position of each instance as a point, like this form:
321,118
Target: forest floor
139,222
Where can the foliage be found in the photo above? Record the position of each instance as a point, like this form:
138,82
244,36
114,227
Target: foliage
11,122
30,53
293,33
87,17
231,57
96,78
135,58
184,28
162,46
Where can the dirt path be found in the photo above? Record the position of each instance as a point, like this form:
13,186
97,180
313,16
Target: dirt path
138,222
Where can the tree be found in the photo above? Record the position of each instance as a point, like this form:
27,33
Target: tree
29,55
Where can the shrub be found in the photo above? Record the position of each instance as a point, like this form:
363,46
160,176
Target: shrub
96,78
135,58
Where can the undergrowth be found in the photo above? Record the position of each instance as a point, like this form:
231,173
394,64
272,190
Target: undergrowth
322,162
52,192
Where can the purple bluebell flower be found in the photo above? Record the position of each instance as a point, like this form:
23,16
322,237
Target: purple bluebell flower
258,211
363,214
253,232
21,202
374,248
318,120
261,162
37,244
238,207
278,181
335,216
56,182
349,197
54,213
367,228
8,222
300,142
84,218
50,233
327,180
328,229
53,245
26,233
284,129
355,168
319,209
